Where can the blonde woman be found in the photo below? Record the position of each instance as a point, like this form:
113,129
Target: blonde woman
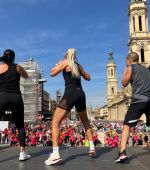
73,96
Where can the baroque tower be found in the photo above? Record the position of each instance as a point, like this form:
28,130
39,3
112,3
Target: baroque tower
139,40
112,83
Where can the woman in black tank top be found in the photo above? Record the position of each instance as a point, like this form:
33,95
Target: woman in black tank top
73,96
10,95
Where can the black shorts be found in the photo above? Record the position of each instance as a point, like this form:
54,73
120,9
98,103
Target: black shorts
135,112
73,96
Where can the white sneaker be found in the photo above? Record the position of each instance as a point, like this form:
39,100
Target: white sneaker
24,156
53,159
92,153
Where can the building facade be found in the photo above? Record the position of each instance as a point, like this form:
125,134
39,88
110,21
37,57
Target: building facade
104,111
73,115
46,111
139,40
58,96
29,89
118,101
52,107
112,83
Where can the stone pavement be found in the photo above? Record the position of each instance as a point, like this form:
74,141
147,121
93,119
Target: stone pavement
75,159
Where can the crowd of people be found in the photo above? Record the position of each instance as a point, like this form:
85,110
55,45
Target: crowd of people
73,134
40,134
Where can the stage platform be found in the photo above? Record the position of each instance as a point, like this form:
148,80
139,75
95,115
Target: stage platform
75,159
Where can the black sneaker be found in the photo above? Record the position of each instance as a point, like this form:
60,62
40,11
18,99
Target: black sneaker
122,156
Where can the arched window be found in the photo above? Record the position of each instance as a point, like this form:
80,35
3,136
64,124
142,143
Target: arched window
140,23
134,24
112,72
109,72
142,55
112,90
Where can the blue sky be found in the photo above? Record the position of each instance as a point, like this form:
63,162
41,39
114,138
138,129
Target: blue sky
45,29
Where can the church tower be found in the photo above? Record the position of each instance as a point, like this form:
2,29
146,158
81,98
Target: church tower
112,83
139,40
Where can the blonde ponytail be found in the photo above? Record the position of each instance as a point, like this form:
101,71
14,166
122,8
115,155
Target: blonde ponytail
71,59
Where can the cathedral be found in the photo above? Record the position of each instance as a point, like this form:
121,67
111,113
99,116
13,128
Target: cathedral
118,101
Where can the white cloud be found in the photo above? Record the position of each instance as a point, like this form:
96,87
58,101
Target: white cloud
30,43
95,29
37,37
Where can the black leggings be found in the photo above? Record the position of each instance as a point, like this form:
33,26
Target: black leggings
15,103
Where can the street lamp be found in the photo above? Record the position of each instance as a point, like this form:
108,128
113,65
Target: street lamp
41,83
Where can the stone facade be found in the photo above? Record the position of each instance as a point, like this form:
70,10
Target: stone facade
118,101
139,40
46,111
29,89
112,83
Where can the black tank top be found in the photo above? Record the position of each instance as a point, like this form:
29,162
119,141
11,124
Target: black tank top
70,80
10,80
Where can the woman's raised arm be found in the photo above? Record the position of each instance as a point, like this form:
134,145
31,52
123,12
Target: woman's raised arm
84,74
58,68
22,71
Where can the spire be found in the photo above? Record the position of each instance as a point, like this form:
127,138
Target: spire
111,59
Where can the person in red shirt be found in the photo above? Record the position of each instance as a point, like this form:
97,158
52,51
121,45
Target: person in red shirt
61,140
72,140
33,140
95,139
15,140
80,140
37,136
134,139
115,142
12,139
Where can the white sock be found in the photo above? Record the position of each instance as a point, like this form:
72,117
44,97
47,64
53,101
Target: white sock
55,150
92,147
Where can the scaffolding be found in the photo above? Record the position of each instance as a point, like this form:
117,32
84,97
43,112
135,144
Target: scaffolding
30,90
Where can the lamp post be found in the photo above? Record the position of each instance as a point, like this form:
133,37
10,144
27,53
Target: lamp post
41,83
